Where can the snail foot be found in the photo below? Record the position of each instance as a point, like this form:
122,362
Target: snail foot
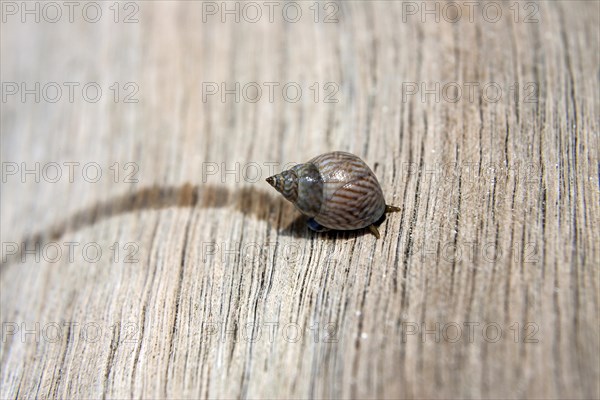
315,226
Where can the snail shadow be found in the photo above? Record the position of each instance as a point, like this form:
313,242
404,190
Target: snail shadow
299,228
249,200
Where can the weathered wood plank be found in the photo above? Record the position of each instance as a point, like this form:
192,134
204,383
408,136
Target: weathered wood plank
227,293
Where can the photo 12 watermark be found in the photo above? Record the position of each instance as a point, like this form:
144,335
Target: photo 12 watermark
71,252
233,251
53,12
469,332
454,12
269,332
270,92
69,171
472,172
252,12
249,172
55,332
472,251
469,92
69,92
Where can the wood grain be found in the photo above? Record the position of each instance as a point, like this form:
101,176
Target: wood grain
226,293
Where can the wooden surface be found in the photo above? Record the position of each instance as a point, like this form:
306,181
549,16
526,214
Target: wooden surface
228,294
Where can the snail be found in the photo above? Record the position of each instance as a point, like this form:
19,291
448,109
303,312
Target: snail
336,190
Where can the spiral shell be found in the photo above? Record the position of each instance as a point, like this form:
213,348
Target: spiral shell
336,190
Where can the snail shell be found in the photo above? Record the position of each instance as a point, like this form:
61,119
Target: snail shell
336,190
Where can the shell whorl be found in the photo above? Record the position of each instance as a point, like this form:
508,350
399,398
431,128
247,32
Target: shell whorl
302,185
286,183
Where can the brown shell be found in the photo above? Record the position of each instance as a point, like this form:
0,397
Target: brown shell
352,197
337,189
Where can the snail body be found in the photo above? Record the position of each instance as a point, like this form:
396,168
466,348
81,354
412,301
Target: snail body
336,190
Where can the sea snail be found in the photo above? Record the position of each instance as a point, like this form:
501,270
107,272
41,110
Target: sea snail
335,190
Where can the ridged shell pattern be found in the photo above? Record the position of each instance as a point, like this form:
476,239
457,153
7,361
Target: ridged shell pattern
352,197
